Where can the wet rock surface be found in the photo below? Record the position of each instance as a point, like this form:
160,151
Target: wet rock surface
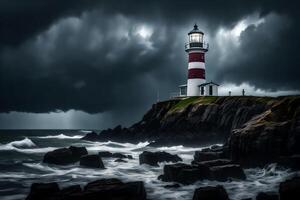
91,161
206,156
153,158
193,121
267,196
211,163
269,136
101,189
210,193
290,189
65,156
43,191
224,172
257,130
184,173
107,154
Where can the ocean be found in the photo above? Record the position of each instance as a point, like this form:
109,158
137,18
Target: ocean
21,154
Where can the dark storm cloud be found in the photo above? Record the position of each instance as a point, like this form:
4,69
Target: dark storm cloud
89,63
20,20
101,56
267,56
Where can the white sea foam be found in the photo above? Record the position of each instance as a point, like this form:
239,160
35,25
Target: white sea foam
60,136
25,143
258,179
24,146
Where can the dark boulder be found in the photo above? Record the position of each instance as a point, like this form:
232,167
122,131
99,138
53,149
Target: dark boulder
290,189
120,160
93,136
224,172
216,147
45,191
93,161
119,155
185,174
176,185
66,192
211,193
189,176
267,196
107,154
292,162
110,189
114,189
64,156
206,156
212,163
153,158
77,152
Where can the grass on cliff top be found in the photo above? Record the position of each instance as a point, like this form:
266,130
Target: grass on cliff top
192,100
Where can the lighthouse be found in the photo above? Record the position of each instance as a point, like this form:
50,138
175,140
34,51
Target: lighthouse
196,50
196,81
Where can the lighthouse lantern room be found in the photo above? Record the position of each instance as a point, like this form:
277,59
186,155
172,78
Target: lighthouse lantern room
196,81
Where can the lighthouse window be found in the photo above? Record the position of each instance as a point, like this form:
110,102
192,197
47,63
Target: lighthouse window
195,37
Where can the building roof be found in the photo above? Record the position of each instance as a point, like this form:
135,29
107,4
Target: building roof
196,30
182,85
209,83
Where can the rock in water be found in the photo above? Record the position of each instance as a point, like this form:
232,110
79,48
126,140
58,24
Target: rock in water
119,155
93,161
206,156
106,189
114,189
224,172
290,189
77,152
120,160
210,193
292,161
212,163
45,191
267,196
66,192
185,174
153,158
93,136
104,154
176,185
107,154
65,156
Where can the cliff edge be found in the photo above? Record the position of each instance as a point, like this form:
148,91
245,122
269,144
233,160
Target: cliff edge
254,129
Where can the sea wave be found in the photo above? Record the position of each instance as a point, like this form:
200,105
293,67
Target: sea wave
25,143
258,179
24,146
114,146
60,136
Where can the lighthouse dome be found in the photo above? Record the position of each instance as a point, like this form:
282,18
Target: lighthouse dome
195,30
196,36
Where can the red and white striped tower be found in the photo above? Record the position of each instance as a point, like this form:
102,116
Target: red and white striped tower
196,50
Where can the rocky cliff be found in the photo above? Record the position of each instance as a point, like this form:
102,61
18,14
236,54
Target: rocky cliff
200,120
271,136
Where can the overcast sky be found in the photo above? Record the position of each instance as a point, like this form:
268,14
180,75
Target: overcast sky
95,64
